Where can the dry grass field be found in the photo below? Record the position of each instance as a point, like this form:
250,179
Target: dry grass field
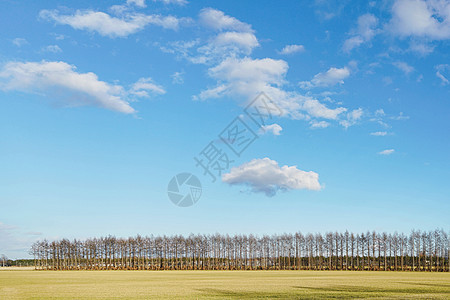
30,284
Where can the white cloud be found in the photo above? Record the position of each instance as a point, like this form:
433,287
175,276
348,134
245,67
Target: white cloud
217,20
145,85
319,110
331,77
228,44
61,81
177,2
107,25
290,49
266,176
247,77
422,48
386,152
352,118
177,78
400,117
138,3
19,42
379,133
275,129
380,112
421,18
364,33
318,124
403,67
52,48
441,69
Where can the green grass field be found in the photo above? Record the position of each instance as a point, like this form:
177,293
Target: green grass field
29,284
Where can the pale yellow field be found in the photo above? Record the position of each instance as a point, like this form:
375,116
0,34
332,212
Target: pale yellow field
28,284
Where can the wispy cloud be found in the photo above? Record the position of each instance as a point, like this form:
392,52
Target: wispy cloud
364,32
386,152
107,25
329,78
379,133
291,49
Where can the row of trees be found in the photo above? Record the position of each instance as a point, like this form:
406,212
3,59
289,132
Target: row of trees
418,251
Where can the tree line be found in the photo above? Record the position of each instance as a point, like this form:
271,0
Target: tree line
418,251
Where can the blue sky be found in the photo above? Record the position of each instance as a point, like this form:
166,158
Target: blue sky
103,102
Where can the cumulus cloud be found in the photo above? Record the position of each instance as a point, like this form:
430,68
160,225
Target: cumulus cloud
62,82
266,176
275,129
386,152
106,25
421,18
245,77
290,49
364,32
331,77
217,20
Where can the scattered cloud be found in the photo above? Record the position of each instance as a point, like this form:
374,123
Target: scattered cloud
291,49
421,47
229,43
331,77
387,80
441,69
62,81
19,42
275,129
400,117
177,2
107,25
379,133
314,124
217,20
380,112
177,78
245,77
266,176
145,85
386,152
52,48
138,3
428,19
352,118
364,32
404,67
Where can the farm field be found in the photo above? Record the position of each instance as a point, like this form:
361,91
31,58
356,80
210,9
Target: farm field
30,284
